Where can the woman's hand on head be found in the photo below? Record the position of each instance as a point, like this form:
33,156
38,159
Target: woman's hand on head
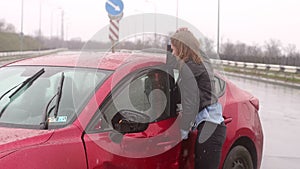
182,29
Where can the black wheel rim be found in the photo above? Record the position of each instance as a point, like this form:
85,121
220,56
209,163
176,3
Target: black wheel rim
240,163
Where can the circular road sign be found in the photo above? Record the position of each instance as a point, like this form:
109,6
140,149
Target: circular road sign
114,7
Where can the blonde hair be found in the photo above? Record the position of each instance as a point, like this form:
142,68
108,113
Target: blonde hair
187,45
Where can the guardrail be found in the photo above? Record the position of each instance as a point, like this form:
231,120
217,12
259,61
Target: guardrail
10,56
22,53
259,66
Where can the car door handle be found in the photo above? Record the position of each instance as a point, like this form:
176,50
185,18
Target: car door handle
227,120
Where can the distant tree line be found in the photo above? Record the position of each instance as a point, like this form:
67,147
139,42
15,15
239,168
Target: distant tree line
272,52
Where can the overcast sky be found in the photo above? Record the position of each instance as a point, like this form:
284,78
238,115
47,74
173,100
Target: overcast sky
249,21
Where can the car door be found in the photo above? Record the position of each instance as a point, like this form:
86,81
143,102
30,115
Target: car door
146,93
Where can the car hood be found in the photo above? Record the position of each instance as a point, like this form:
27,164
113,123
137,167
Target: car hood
12,139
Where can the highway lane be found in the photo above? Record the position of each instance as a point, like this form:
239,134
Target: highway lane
280,116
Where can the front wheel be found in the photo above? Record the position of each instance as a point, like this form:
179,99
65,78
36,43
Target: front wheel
238,158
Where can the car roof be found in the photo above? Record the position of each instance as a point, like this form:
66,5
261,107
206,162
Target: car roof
100,60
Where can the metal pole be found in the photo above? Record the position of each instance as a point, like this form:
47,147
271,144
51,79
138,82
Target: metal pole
62,25
40,26
22,36
155,23
66,32
218,33
58,24
51,24
176,14
143,31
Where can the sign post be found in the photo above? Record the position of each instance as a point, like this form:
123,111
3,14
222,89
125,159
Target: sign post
114,9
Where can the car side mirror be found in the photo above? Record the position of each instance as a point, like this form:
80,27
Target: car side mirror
129,121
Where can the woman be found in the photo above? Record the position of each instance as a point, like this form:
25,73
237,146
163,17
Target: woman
200,107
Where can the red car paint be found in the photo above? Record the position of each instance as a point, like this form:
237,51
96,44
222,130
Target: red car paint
74,147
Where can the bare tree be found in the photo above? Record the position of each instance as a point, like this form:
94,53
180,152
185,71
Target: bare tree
254,53
290,50
227,50
254,50
273,48
240,51
10,28
208,47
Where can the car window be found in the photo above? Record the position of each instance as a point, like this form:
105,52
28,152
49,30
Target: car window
28,108
148,94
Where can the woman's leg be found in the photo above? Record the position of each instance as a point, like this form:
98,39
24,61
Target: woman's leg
209,144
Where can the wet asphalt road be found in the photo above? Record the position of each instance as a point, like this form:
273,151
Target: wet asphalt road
280,117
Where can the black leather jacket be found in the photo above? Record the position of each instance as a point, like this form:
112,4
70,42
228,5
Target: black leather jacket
196,85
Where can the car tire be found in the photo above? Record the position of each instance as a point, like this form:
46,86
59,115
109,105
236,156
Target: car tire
238,158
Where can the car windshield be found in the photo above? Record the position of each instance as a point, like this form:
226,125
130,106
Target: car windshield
26,109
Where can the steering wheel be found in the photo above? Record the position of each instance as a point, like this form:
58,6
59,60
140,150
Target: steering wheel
128,121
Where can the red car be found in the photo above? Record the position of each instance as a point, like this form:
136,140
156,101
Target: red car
115,111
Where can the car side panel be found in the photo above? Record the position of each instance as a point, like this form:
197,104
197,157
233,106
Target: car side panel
245,120
63,150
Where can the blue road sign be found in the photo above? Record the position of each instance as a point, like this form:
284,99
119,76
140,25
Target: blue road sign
114,7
